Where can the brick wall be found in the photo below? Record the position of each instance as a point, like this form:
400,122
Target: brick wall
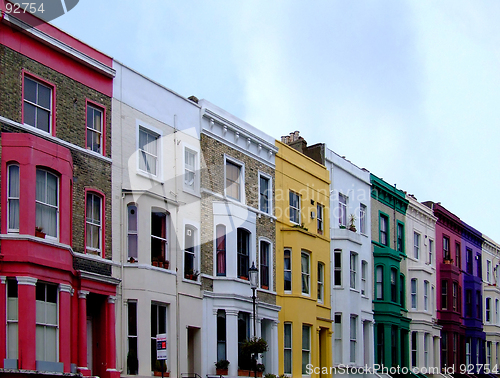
70,108
212,178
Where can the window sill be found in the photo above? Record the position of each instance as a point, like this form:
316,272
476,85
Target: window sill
268,291
149,176
354,290
186,280
338,288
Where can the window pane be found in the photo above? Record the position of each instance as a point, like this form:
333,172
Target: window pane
29,114
44,96
30,90
42,119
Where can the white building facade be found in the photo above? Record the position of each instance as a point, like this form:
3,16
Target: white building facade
238,224
491,295
156,225
352,261
420,249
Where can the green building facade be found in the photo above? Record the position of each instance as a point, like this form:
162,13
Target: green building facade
392,325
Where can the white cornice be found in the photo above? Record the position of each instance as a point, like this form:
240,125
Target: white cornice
61,46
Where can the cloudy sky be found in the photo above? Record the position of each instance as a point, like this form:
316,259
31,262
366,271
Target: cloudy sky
409,90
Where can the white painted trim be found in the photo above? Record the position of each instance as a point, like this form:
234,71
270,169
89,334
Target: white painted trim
238,148
197,252
269,177
197,180
61,46
270,266
242,178
159,150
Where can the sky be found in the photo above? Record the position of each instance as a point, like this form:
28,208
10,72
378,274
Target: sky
409,90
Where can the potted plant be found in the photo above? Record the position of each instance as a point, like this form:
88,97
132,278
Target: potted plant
39,232
157,371
166,264
352,223
260,369
253,347
221,367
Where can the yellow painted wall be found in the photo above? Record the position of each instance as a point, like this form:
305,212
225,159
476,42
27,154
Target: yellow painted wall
300,174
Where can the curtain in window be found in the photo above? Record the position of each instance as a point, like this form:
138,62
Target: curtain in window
46,206
221,250
13,197
305,273
132,231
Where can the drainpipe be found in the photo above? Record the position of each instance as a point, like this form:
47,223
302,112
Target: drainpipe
177,312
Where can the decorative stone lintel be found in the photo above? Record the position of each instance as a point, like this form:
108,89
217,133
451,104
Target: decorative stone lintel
26,281
65,288
82,294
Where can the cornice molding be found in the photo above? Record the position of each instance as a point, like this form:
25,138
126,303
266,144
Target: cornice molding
60,46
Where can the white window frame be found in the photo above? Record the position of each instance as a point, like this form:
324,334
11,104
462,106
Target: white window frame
426,295
158,305
337,353
45,325
12,198
287,270
159,148
497,313
269,195
129,335
47,236
270,262
133,233
194,227
92,222
306,351
337,268
241,165
12,319
287,325
414,291
320,222
92,130
379,284
321,282
414,348
487,308
364,272
343,203
305,274
156,237
488,353
193,188
416,245
353,331
362,218
426,349
353,270
37,106
431,250
488,271
297,210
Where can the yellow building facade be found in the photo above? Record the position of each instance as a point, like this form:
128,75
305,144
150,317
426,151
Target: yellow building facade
302,263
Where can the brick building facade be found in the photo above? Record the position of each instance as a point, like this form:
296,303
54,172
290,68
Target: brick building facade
56,290
238,228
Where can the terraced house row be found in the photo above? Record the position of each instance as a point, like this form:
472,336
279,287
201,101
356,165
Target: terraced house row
129,211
